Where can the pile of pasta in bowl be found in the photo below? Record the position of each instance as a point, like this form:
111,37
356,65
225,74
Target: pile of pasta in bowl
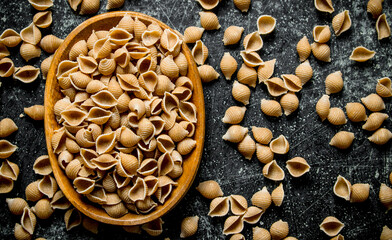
127,118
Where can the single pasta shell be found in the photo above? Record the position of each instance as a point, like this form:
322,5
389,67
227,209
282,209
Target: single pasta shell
266,70
273,172
385,196
189,226
382,27
186,146
253,215
324,6
209,189
386,233
253,42
79,48
26,74
31,34
207,73
374,121
336,116
262,135
265,24
342,188
279,230
237,236
242,5
262,199
373,102
232,35
6,184
261,233
208,4
169,67
362,54
321,51
238,204
228,65
277,195
219,207
32,192
192,34
16,205
36,112
338,237
200,52
9,170
6,148
251,59
3,51
383,87
342,140
114,4
20,233
264,153
28,220
381,136
7,127
10,38
304,49
43,209
41,5
341,22
304,71
280,145
356,112
107,66
247,147
334,83
43,19
182,64
48,186
233,224
45,65
42,165
89,7
297,166
331,226
29,51
271,108
234,115
209,21
50,43
321,34
247,75
275,86
289,103
359,192
153,228
7,67
72,218
292,82
322,107
374,7
241,92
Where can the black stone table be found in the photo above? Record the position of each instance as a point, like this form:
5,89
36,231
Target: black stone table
308,199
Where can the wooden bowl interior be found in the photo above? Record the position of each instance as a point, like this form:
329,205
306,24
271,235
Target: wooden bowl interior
52,95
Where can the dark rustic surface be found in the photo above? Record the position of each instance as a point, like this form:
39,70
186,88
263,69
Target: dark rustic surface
308,199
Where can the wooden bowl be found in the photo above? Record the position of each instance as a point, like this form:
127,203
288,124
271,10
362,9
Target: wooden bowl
52,94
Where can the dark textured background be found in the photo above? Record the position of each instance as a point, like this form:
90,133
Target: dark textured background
308,199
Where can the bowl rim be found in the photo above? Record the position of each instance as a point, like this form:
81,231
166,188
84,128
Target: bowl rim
50,125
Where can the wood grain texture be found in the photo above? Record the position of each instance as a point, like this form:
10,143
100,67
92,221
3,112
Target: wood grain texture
52,94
